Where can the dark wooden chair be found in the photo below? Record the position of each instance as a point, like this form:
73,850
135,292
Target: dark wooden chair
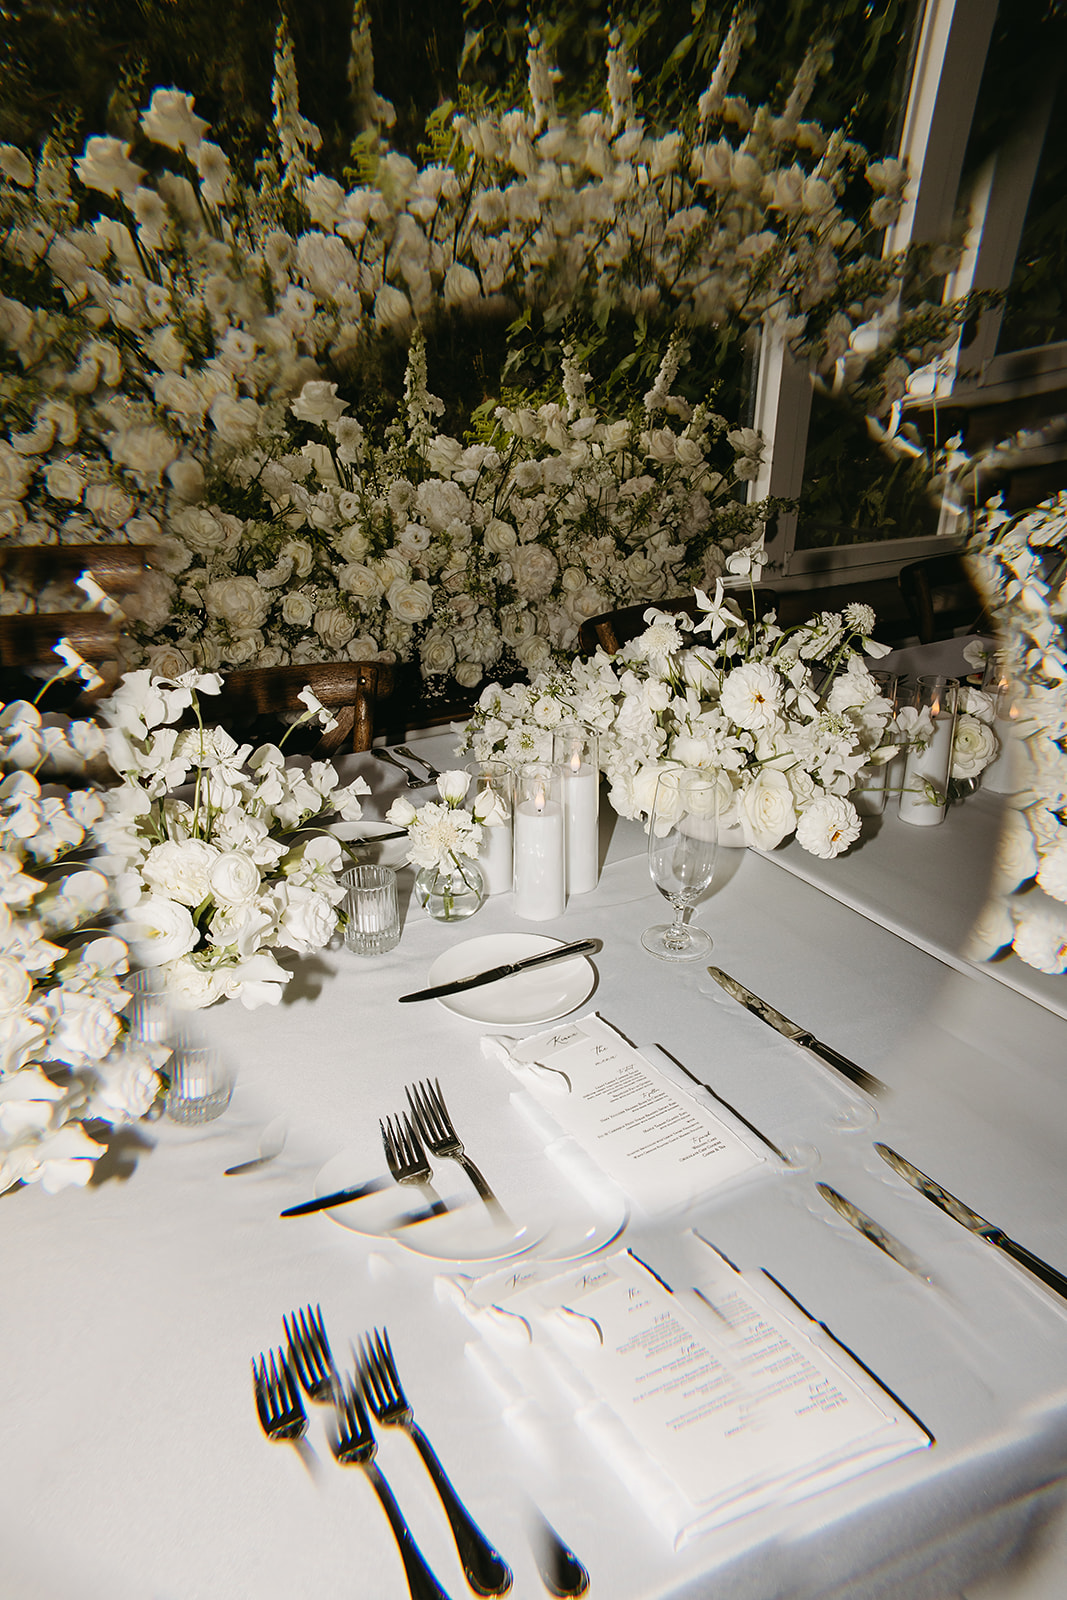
26,642
612,629
941,598
352,690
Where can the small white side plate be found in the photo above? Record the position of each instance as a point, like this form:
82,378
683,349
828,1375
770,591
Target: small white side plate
365,831
539,996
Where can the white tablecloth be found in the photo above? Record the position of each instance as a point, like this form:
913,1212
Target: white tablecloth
134,1465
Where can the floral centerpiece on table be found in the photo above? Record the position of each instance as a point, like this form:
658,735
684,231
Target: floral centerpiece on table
216,851
68,1068
444,839
786,718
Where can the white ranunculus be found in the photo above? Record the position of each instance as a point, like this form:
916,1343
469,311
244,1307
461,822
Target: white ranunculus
828,826
973,748
191,987
159,930
766,812
84,1027
1041,936
234,877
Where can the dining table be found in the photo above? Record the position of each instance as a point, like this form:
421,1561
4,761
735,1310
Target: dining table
134,1465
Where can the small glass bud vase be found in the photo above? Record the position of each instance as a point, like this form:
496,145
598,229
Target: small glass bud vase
928,768
450,893
575,752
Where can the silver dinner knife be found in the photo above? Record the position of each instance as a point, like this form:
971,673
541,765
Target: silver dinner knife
580,948
970,1219
791,1030
874,1231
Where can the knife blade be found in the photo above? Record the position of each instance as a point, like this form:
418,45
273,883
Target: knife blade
984,1229
865,1224
798,1035
492,974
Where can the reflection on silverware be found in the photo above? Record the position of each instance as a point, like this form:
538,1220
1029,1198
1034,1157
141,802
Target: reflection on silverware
561,1572
420,761
310,1353
431,1115
281,1410
561,952
404,1153
339,1197
410,778
353,1445
486,1570
874,1231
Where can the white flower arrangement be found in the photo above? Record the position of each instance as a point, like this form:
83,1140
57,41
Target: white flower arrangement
443,835
68,1067
213,848
787,719
175,356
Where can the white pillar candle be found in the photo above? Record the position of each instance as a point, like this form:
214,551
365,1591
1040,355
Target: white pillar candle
928,767
1002,774
496,858
539,847
581,789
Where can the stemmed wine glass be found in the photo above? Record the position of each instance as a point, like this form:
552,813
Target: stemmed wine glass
683,835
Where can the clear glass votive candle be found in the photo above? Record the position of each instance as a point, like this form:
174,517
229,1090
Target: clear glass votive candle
869,794
928,767
540,873
371,910
492,798
201,1083
576,752
148,1014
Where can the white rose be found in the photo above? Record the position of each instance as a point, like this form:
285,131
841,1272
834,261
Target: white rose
440,502
108,504
534,652
437,651
64,481
186,476
317,402
106,166
468,674
452,786
334,627
170,120
239,601
766,812
360,581
351,543
145,451
234,877
411,602
235,421
535,570
499,536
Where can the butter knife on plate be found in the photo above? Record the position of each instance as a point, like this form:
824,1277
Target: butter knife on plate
559,952
984,1229
798,1035
874,1231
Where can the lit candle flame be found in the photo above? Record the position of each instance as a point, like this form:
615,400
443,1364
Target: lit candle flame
539,798
576,760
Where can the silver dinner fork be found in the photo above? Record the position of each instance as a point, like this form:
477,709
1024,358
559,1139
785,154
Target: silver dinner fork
486,1570
441,1139
410,778
310,1354
353,1445
420,761
404,1153
281,1410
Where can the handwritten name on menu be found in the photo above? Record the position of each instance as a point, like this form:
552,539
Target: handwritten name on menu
659,1144
727,1395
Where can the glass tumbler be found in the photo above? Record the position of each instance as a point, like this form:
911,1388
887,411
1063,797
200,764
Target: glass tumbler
370,906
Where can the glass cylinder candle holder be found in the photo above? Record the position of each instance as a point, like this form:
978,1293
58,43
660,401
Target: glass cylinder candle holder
928,767
372,914
576,752
491,797
869,794
540,873
1001,776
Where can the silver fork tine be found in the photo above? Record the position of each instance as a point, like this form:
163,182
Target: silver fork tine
405,1155
281,1410
353,1444
434,1123
486,1570
311,1354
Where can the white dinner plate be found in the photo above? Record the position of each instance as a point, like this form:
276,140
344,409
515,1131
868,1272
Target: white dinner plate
539,996
467,1231
389,853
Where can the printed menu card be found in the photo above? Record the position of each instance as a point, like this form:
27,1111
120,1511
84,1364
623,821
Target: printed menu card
652,1137
709,1404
